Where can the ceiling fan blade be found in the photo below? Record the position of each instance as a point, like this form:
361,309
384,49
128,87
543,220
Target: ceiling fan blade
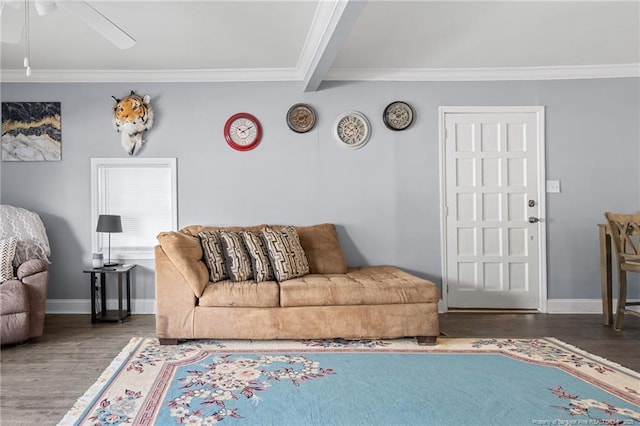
99,22
45,7
12,4
11,22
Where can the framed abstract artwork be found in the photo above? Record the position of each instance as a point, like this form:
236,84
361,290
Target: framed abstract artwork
31,131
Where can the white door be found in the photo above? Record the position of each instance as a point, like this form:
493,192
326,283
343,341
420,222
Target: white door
493,229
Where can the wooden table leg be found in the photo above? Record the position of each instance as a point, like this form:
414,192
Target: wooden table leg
103,295
128,293
94,278
606,276
120,316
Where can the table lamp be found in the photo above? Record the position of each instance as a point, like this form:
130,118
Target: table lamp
109,223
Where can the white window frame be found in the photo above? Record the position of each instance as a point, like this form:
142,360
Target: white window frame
99,241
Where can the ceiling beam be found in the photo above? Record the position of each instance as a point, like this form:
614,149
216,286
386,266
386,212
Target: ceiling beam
333,22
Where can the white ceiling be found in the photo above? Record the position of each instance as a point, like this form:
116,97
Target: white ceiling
315,40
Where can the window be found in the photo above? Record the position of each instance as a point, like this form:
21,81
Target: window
142,191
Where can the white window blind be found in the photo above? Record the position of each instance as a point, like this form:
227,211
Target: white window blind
143,193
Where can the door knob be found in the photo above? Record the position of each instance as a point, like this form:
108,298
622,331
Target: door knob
533,219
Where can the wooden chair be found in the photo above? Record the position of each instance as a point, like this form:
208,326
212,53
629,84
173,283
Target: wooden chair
625,232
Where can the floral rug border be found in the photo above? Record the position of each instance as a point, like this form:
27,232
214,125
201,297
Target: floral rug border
141,353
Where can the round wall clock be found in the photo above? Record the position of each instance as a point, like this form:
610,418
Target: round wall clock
398,115
301,118
352,130
243,131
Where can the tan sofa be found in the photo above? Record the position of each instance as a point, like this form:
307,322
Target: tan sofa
332,301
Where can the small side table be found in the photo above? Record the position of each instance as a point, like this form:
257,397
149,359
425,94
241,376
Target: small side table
105,315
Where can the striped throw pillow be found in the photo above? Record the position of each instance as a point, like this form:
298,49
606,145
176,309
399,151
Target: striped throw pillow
236,258
285,253
212,249
7,253
262,270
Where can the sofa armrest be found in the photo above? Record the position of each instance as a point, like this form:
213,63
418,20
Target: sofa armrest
35,278
32,267
185,252
175,300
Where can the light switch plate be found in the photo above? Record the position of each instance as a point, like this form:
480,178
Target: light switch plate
553,186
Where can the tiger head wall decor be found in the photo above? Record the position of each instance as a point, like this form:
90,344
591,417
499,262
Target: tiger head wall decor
132,116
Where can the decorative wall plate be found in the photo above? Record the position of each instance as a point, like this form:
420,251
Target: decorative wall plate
352,130
243,131
301,118
398,115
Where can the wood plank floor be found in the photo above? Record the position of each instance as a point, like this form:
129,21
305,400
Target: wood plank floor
42,379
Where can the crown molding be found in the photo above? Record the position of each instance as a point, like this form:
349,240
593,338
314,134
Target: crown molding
295,74
486,74
150,76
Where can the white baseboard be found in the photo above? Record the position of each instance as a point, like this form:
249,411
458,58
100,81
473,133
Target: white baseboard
576,306
580,306
83,306
566,306
148,306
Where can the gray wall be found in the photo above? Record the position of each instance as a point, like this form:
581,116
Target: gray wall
384,197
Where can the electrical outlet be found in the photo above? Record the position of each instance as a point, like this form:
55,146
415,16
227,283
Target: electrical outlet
553,186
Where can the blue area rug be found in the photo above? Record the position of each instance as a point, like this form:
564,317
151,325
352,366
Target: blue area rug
334,382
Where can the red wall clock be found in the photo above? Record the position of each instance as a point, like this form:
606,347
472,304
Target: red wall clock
243,131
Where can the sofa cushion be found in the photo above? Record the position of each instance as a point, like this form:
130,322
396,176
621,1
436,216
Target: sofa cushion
262,270
185,252
195,229
322,248
236,258
7,253
213,255
319,242
241,294
370,285
286,255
